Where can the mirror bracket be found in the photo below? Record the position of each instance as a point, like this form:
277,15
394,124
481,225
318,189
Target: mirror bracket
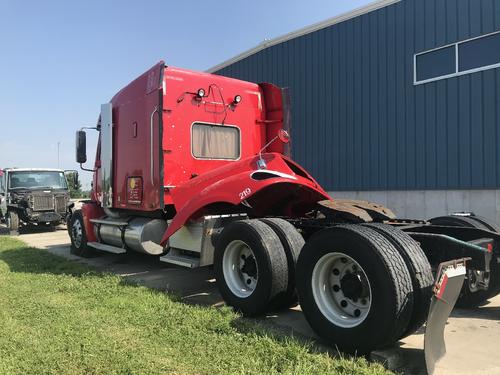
87,169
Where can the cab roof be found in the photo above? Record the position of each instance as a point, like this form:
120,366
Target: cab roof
33,170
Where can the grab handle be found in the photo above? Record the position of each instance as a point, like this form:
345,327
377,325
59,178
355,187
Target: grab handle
152,144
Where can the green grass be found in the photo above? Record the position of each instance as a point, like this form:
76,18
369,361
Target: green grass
58,316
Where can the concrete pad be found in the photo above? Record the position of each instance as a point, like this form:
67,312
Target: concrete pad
472,336
472,340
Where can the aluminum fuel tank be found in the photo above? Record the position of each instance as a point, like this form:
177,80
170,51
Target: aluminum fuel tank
141,234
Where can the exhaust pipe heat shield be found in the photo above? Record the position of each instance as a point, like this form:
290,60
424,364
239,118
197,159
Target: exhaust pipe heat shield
449,280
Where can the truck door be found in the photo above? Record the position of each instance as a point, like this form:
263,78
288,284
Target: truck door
137,130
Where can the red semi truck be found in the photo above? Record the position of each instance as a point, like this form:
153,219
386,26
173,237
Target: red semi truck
195,168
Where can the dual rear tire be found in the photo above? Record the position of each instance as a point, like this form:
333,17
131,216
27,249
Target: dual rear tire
355,288
360,287
420,272
254,265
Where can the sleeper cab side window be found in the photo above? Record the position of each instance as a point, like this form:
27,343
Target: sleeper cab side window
215,142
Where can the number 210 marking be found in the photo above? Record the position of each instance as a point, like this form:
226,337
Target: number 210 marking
245,193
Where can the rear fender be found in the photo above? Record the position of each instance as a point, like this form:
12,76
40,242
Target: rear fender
240,189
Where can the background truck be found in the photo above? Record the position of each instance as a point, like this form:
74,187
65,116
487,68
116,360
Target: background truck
195,168
33,196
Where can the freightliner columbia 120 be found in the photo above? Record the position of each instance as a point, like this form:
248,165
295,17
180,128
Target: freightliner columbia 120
195,168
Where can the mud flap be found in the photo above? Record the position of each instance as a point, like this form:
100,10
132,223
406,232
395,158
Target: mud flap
449,280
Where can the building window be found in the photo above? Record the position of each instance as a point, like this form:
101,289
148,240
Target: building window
437,63
457,59
209,141
478,53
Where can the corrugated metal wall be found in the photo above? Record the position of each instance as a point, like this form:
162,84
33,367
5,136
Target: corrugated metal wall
359,123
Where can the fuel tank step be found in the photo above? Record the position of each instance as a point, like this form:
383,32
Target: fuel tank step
118,223
174,256
107,248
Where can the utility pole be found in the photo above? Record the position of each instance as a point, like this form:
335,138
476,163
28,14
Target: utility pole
58,144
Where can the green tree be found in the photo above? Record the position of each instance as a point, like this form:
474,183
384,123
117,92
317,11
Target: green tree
75,190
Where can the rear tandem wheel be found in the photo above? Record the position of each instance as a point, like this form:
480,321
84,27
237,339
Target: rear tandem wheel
354,288
292,242
250,266
420,272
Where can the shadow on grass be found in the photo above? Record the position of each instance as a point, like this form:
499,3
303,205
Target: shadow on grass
30,260
281,326
36,261
403,361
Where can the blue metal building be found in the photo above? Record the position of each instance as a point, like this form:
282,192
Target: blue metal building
398,101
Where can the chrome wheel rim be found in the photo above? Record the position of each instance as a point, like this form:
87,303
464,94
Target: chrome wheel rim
341,290
77,233
240,269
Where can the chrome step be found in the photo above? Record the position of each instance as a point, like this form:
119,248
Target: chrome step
175,257
118,223
107,248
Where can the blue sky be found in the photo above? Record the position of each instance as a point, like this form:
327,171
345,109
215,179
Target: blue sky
59,60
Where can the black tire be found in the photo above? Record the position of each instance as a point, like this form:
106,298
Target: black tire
390,283
490,224
420,272
269,258
13,222
495,267
292,242
79,245
470,299
457,221
494,288
68,223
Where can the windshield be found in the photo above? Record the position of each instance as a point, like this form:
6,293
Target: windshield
37,179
